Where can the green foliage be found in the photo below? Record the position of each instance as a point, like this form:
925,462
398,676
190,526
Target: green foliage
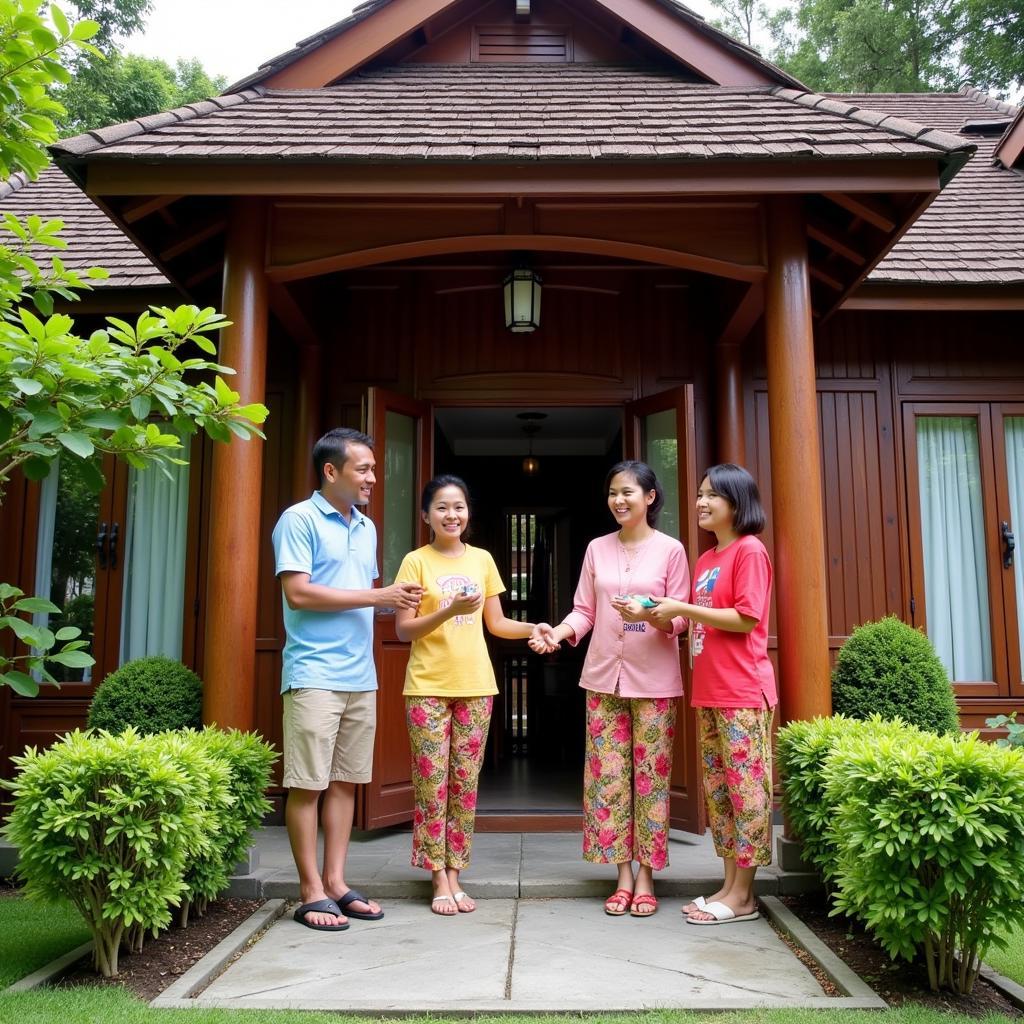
921,836
802,749
42,643
114,17
30,45
123,87
869,45
1014,729
127,826
930,838
151,695
105,822
890,669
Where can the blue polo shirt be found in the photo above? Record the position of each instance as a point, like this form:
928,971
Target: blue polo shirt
327,650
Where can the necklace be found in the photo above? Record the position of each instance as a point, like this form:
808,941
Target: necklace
627,562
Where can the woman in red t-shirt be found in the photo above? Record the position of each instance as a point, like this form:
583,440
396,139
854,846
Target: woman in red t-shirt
733,686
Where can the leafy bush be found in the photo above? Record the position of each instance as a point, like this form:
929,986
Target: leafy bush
891,669
802,750
929,834
245,761
1014,730
150,695
106,822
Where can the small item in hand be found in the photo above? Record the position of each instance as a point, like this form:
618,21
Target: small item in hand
620,597
644,602
470,589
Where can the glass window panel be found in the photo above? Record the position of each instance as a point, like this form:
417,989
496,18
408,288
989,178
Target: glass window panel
661,453
952,533
400,498
1013,429
68,527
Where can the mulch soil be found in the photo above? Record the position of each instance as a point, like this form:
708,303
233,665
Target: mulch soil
164,959
898,982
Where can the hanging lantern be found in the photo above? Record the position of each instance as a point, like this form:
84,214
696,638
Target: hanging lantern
522,300
531,426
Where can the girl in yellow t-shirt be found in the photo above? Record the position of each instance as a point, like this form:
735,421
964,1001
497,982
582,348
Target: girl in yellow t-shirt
449,685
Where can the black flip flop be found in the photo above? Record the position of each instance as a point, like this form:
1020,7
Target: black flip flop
351,897
320,907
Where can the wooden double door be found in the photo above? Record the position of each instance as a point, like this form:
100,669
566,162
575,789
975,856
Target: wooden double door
657,429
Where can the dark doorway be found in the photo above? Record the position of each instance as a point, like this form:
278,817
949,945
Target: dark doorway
537,526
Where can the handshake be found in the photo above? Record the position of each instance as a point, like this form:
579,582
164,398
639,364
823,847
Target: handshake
543,640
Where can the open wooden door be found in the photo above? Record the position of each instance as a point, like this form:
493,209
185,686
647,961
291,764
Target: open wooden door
659,431
403,431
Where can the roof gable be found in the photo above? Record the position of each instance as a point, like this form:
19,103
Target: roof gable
391,31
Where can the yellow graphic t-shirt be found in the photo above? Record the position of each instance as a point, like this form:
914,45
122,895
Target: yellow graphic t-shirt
451,660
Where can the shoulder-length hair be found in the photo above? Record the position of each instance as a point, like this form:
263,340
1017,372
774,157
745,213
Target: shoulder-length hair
738,487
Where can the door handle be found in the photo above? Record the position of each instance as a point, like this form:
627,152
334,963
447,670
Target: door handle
113,545
101,546
1008,545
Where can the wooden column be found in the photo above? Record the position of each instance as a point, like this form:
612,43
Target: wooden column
731,430
308,419
797,505
235,543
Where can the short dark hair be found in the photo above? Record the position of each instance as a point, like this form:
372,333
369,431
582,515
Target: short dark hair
738,487
333,448
646,480
439,483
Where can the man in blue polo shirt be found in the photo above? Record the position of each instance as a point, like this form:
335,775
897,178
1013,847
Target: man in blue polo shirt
326,558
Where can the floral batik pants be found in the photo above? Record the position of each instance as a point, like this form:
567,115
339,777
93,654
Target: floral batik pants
447,736
736,752
626,779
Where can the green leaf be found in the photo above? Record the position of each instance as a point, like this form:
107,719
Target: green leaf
68,633
6,425
140,405
72,659
104,420
27,386
22,684
36,604
92,476
37,468
78,443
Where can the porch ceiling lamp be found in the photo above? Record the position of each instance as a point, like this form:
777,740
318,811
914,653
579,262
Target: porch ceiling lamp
522,300
531,426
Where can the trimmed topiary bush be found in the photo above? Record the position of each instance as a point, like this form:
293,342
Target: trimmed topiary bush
891,669
150,695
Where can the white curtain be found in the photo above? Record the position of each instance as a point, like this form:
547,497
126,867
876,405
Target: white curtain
154,561
956,580
44,549
1014,431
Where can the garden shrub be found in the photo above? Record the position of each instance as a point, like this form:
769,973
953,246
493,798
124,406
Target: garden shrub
891,669
1014,729
106,822
149,694
929,834
802,751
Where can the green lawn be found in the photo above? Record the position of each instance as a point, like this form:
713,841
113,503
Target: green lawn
31,935
1010,961
111,1006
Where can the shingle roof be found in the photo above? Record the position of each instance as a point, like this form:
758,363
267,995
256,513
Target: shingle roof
93,239
449,112
973,232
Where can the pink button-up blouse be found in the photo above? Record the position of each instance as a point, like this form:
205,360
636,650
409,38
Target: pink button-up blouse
633,659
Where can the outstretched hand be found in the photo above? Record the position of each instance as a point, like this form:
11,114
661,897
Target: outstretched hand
400,595
664,611
630,609
542,640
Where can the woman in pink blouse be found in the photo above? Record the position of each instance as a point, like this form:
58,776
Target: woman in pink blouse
632,673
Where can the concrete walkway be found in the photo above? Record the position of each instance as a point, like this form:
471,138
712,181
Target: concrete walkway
539,941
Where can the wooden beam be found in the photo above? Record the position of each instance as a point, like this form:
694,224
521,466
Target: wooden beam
131,212
192,237
826,279
870,210
824,233
673,35
358,44
229,670
292,316
940,296
203,274
798,508
472,180
730,420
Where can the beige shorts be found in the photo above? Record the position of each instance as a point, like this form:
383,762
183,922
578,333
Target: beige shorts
328,737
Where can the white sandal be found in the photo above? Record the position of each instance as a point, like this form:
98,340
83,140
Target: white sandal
443,899
459,897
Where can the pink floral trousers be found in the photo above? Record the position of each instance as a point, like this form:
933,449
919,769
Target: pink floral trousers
447,736
736,752
626,779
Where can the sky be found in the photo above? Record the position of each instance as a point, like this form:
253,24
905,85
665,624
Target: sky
233,37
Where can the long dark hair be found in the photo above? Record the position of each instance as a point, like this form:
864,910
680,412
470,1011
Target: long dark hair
646,480
437,484
739,488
